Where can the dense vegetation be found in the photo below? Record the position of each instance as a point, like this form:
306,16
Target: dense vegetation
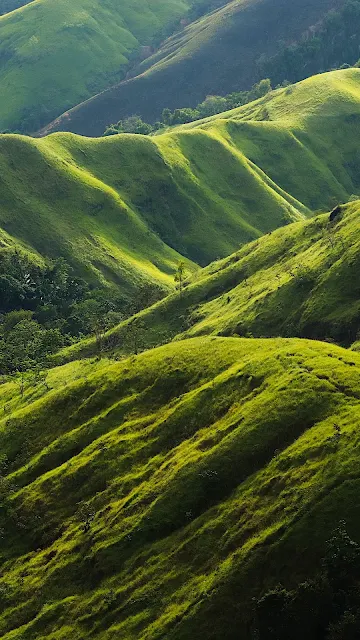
46,307
330,44
209,107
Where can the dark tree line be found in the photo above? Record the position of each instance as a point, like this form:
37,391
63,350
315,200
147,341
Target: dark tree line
46,307
209,107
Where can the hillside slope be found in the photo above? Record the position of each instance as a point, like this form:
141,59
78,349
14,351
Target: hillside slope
157,496
218,54
127,207
296,281
196,191
55,53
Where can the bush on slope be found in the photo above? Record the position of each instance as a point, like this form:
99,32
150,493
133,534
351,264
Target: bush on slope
158,495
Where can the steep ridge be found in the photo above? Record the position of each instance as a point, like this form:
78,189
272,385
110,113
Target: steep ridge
55,53
159,495
127,207
218,54
297,281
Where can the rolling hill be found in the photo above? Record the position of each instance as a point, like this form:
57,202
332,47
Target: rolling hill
125,209
219,53
56,53
158,496
299,280
194,472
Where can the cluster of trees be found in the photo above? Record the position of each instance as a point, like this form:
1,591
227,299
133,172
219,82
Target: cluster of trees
209,107
324,607
43,308
334,43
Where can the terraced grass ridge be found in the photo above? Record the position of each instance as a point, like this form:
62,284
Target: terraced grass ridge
218,53
56,53
157,496
123,210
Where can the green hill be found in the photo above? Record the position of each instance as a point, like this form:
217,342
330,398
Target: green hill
124,209
199,191
157,496
299,280
56,53
225,50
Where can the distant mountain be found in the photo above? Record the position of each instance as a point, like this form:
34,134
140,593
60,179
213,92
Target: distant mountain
6,6
54,53
221,52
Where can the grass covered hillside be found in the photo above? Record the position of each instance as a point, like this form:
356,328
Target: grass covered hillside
300,280
54,207
162,495
56,53
125,208
223,51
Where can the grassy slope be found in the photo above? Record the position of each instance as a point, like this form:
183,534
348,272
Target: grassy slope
55,53
297,281
115,206
216,54
203,461
54,207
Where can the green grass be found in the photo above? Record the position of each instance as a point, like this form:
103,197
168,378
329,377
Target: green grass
203,462
299,280
219,53
125,209
56,53
211,468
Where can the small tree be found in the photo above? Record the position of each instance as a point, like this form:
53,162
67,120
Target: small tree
135,329
99,327
86,515
179,275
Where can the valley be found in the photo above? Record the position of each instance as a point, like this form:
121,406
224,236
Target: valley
179,323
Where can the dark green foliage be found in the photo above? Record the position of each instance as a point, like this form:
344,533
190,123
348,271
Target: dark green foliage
44,308
209,107
26,344
332,44
133,124
325,607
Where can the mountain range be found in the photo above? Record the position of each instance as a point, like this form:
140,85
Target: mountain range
190,470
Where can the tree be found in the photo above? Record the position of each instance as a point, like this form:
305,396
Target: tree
259,90
135,329
211,106
179,275
182,116
86,515
166,117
